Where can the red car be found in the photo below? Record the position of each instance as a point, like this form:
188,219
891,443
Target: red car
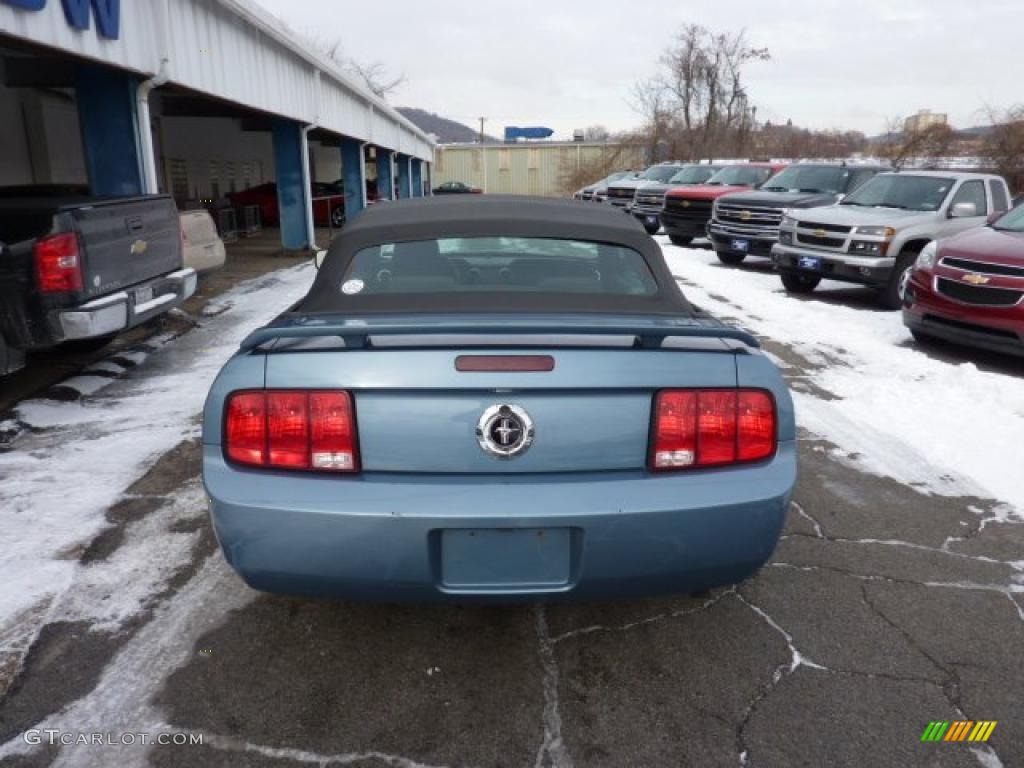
687,210
969,288
328,203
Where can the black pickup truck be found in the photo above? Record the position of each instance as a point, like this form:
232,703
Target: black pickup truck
80,269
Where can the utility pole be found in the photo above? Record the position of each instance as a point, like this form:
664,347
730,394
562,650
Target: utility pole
483,153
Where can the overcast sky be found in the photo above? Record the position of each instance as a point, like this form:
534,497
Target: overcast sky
848,64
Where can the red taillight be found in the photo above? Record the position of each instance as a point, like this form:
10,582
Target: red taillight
58,267
711,427
292,429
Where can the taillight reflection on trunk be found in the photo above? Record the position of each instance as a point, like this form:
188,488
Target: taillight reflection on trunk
58,266
292,429
711,427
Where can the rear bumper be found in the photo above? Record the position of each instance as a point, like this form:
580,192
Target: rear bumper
381,536
835,266
119,311
994,329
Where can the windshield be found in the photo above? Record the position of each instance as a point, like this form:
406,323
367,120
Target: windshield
737,175
660,172
809,178
1012,221
912,193
498,264
694,174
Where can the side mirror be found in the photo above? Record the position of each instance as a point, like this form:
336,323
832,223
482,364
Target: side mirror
318,259
994,217
963,211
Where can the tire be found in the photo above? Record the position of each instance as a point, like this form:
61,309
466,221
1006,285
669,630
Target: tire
337,217
730,258
796,282
84,346
652,229
891,296
680,240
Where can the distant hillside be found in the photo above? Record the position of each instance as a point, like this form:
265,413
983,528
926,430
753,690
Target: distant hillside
447,131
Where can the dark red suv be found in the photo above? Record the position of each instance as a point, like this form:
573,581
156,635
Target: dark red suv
969,288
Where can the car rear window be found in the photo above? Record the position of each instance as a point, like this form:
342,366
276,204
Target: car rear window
498,264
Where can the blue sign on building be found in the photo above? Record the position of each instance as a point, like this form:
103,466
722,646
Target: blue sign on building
77,13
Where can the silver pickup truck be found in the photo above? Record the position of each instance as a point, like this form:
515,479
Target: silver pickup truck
874,235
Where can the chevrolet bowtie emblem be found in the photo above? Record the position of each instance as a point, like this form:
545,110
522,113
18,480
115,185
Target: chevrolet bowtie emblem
975,279
686,203
820,233
745,215
139,247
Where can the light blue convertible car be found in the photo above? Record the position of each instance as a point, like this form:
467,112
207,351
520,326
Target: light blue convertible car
497,398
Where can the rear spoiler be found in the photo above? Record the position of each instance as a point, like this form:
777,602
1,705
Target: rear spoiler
309,332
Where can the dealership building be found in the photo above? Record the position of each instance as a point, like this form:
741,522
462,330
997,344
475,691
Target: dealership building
195,98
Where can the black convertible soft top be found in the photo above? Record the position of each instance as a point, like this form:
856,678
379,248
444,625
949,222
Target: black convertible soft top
455,216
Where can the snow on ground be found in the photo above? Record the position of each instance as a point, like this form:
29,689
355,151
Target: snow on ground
900,412
58,482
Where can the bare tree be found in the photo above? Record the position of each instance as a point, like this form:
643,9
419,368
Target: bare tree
698,105
900,146
597,133
373,75
1003,145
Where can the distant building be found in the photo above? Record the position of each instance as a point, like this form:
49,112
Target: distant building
530,167
924,118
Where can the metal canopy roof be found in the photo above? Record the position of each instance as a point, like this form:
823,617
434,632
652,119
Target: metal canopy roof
231,50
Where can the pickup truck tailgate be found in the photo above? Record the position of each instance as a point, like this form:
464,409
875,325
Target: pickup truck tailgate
126,242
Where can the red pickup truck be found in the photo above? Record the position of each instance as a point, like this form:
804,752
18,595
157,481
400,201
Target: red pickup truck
687,210
969,288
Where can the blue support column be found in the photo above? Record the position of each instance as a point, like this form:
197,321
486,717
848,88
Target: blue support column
352,174
403,175
385,182
428,180
292,187
417,178
109,124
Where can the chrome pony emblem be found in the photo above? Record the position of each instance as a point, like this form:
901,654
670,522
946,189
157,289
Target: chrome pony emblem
504,430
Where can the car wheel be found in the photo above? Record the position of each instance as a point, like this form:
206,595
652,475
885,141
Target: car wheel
652,229
795,282
337,217
680,240
891,296
730,258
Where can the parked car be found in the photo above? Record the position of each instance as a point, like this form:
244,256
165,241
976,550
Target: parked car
328,202
686,211
649,199
622,192
81,269
587,192
874,235
203,248
969,289
747,223
600,193
456,188
432,436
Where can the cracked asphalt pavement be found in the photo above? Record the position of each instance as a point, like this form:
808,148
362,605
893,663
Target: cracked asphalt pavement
883,608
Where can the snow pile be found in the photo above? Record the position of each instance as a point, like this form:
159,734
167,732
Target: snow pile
901,412
57,484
